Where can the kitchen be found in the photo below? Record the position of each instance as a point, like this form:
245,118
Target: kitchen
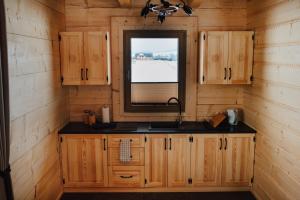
73,65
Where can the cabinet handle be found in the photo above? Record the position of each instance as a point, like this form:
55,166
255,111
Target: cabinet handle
126,176
225,73
230,73
104,141
86,74
165,143
82,74
221,143
225,144
170,143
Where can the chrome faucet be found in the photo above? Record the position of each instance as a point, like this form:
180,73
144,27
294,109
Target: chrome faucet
179,105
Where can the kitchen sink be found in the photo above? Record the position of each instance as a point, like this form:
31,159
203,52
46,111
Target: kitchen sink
164,125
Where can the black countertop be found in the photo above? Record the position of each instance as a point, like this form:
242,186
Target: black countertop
145,127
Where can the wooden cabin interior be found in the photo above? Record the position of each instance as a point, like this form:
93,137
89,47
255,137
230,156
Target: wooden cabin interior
76,107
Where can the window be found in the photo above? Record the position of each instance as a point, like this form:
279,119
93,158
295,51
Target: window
154,70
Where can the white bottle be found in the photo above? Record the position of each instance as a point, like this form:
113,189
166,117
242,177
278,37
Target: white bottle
105,114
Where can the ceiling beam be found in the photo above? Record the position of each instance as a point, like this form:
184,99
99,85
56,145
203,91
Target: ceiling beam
125,3
194,3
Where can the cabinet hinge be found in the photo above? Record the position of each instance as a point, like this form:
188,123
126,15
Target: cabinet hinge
203,78
254,139
106,78
251,78
63,181
146,181
59,37
61,139
253,37
145,139
190,181
191,139
62,79
106,36
252,179
204,37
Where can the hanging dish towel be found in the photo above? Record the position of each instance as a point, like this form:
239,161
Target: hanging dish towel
125,154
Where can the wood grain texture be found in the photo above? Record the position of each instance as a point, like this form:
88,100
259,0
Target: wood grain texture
84,160
95,15
156,162
272,104
38,103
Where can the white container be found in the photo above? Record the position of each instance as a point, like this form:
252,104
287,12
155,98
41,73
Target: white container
105,115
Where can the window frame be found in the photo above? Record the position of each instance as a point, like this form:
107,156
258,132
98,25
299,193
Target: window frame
154,107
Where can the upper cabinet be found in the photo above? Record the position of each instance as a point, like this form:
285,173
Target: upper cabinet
85,58
226,57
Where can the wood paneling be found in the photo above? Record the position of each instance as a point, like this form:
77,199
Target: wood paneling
95,15
38,104
272,104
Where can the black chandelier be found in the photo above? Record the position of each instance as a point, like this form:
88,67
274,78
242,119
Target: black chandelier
165,9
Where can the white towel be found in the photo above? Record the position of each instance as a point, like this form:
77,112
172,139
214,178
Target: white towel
125,154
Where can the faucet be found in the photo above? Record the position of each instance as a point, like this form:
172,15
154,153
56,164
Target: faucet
179,105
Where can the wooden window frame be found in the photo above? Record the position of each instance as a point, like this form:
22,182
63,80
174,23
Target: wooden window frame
154,107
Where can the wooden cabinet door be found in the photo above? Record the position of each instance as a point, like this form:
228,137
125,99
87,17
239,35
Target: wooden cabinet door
72,61
95,52
214,57
156,160
206,160
84,160
240,57
179,149
238,155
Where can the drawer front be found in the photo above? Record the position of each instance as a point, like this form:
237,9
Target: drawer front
126,176
137,153
136,140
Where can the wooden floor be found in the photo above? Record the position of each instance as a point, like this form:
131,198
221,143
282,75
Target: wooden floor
160,196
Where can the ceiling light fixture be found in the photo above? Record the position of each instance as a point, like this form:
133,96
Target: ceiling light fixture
165,9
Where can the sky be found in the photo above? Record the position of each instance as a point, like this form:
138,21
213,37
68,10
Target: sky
153,45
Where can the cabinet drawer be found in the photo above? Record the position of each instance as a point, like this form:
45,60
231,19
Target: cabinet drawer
137,153
126,176
136,140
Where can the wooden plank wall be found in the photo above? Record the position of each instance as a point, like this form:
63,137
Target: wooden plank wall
90,15
37,100
272,104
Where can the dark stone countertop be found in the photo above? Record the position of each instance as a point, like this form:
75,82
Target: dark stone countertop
145,127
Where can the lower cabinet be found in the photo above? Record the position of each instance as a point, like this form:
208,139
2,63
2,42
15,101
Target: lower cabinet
238,157
158,160
178,160
206,160
126,176
84,160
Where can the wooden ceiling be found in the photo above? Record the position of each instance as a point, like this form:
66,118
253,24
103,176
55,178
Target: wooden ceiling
124,3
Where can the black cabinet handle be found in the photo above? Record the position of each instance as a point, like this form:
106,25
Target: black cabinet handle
221,143
230,73
225,73
225,143
104,141
126,176
86,74
170,144
82,74
165,143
